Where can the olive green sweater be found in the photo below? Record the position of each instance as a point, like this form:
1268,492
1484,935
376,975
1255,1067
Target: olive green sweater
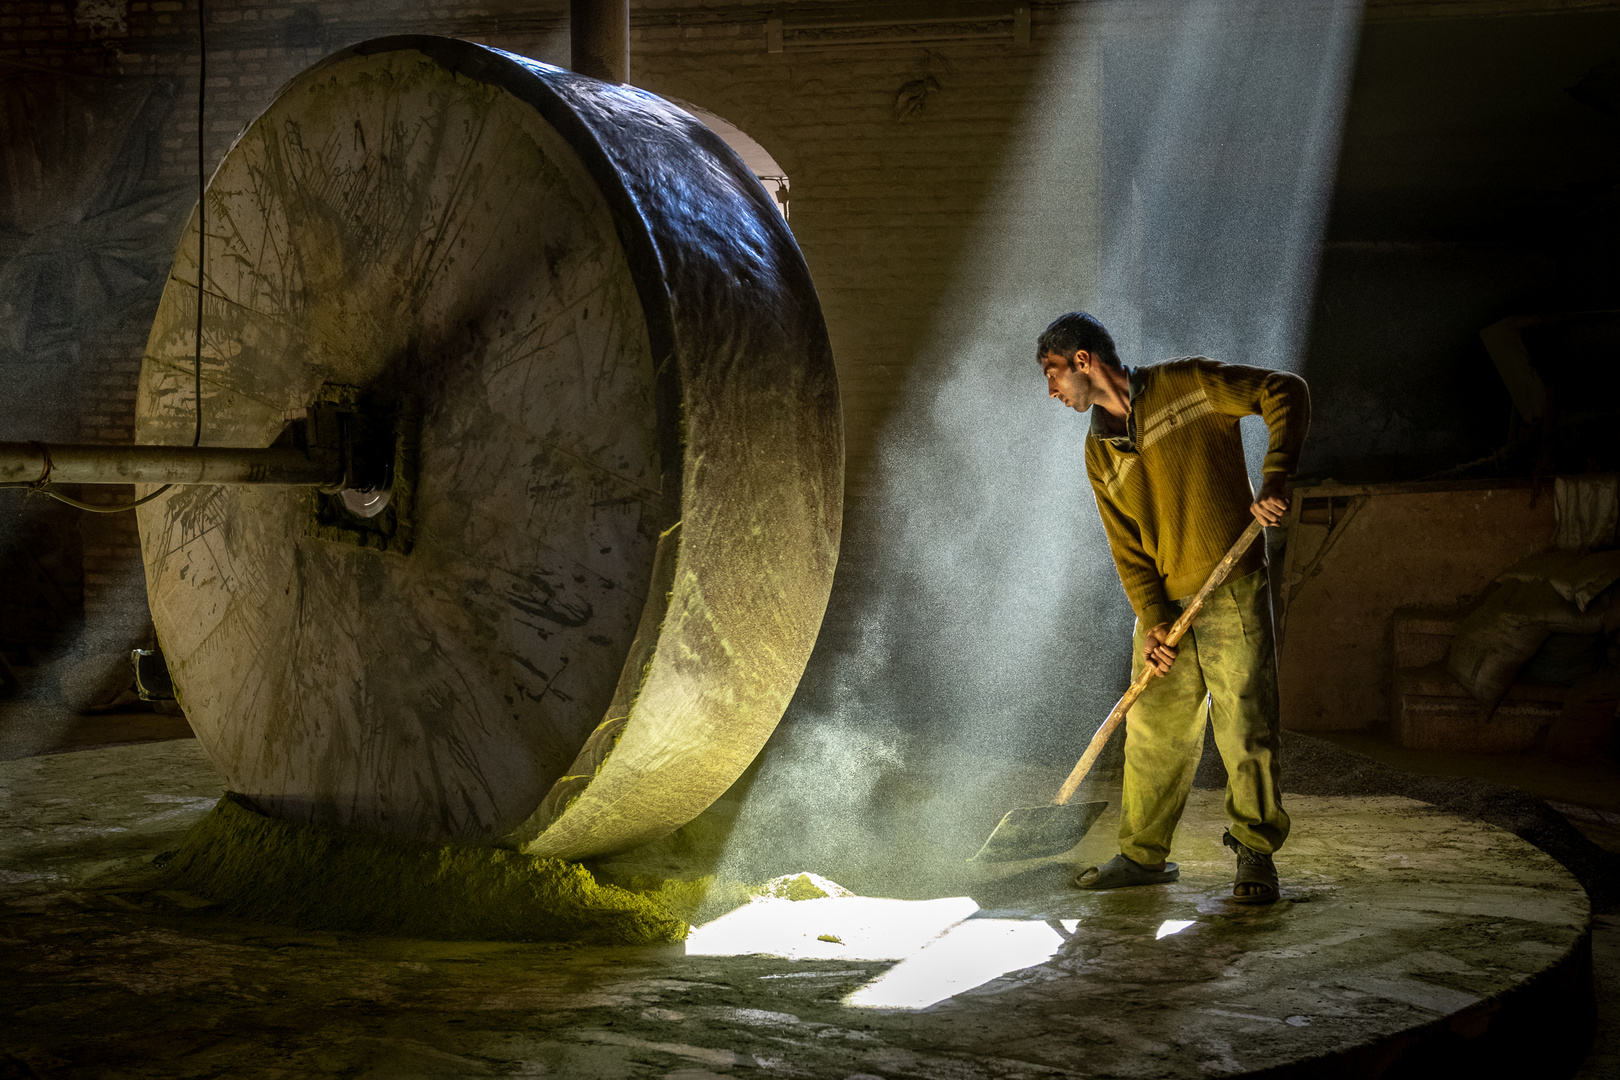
1174,490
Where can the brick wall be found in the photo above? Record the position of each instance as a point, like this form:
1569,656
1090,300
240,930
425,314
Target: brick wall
882,206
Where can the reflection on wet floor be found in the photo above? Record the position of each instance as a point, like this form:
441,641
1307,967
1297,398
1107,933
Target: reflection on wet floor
968,955
831,928
943,947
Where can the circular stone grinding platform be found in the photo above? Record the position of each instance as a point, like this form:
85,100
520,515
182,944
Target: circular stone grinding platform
1408,943
623,527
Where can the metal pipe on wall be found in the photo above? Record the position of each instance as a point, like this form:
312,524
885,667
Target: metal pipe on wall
599,39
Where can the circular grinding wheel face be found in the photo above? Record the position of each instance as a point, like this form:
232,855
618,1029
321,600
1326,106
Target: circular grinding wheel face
392,226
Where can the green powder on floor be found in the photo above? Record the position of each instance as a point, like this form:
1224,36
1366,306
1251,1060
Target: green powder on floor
695,900
263,868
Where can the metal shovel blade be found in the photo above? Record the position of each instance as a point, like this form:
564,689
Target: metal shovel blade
1033,832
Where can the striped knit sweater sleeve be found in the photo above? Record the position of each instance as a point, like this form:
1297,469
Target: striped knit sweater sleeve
1280,398
1175,494
1138,571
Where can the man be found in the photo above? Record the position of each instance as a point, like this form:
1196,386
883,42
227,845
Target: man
1166,464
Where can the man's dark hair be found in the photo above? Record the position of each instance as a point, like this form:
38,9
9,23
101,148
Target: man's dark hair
1074,331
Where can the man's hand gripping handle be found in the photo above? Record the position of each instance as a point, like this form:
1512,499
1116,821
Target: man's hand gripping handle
1149,672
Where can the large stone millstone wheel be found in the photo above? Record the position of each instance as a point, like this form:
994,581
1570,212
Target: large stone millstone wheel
627,506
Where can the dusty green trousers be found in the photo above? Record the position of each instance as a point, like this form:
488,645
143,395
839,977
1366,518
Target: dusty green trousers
1226,669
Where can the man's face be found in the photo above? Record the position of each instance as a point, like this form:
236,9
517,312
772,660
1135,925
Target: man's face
1068,379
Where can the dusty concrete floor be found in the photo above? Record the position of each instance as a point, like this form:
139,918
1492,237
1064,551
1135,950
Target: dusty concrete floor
1402,929
31,728
1584,793
1591,782
1587,792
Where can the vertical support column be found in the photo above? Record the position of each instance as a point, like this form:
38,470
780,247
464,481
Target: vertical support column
1086,211
599,39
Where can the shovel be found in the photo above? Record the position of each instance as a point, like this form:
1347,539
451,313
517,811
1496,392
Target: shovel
1035,831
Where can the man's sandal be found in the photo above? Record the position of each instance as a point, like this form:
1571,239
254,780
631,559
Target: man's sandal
1253,869
1120,872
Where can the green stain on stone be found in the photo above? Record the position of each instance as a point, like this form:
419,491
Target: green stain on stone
262,868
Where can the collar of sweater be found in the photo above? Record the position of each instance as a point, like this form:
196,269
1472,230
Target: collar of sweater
1136,379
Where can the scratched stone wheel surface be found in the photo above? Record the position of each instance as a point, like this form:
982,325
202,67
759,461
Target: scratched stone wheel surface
627,510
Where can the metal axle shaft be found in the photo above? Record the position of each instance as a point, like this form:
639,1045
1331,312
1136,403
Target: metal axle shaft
37,463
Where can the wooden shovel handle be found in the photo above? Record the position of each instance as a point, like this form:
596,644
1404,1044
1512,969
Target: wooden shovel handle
1099,740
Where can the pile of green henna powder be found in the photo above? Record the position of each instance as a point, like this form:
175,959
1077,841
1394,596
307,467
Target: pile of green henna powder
262,868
